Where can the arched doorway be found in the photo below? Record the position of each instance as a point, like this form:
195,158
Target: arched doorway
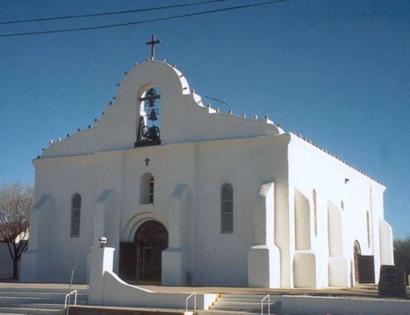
141,259
151,238
363,266
356,258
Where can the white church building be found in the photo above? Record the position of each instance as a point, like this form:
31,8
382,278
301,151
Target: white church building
190,195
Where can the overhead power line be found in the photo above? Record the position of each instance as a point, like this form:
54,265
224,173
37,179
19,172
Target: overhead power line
215,99
167,18
77,16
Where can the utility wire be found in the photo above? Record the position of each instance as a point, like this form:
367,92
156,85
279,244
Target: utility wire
215,99
167,18
182,5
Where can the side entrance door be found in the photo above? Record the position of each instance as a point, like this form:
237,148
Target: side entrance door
366,269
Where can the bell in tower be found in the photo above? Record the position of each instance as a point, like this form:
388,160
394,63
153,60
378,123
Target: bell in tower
151,97
148,133
153,114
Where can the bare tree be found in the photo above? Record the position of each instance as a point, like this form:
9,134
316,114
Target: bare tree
15,205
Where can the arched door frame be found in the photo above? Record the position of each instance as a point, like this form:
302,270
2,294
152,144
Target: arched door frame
356,260
134,222
128,251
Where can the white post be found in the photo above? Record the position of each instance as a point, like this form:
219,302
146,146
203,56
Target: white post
100,260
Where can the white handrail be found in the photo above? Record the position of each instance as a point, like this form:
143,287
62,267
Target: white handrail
68,298
193,294
262,302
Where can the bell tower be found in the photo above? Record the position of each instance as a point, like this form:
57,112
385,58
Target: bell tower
148,132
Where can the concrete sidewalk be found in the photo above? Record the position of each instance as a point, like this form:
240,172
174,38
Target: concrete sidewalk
363,290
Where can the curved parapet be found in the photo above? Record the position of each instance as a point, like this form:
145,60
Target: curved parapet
183,116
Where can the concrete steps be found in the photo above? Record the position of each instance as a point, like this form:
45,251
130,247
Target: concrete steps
25,299
45,306
29,310
114,310
230,304
36,300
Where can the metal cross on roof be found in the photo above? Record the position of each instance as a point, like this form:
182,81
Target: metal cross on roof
154,41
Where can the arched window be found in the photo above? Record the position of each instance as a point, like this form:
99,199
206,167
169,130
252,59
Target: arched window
75,215
147,189
148,118
314,197
226,208
151,190
368,228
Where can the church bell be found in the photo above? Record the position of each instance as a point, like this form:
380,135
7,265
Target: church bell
153,115
151,97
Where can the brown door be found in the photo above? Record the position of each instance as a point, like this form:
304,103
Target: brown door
128,260
151,239
366,269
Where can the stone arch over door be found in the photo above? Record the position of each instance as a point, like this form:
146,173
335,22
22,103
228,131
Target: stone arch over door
135,221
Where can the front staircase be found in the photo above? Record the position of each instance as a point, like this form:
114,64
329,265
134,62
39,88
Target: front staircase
242,304
36,300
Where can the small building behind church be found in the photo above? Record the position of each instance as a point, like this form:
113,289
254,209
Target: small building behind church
190,195
6,263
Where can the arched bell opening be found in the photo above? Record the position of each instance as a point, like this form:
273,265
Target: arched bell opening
148,118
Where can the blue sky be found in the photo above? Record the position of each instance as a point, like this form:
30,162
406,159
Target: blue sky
336,71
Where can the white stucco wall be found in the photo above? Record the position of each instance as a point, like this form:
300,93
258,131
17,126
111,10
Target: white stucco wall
311,168
203,167
246,165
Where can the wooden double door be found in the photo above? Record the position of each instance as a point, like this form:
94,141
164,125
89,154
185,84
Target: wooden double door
141,260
